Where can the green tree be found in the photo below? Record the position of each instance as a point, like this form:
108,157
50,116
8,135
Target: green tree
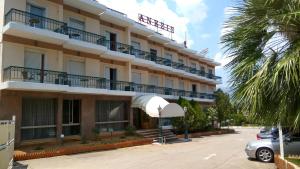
195,118
263,43
223,105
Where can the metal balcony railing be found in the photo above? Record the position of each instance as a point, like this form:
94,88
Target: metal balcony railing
16,73
33,20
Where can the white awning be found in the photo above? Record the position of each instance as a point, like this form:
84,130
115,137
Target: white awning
151,103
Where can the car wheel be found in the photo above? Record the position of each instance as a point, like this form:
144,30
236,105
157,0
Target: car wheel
265,155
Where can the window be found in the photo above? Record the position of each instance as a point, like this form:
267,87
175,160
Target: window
168,56
137,48
169,86
154,80
180,61
38,118
35,20
71,117
169,83
77,24
153,54
111,115
137,78
112,39
33,59
210,73
193,65
202,70
181,85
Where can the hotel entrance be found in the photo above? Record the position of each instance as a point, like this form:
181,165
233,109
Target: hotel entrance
141,120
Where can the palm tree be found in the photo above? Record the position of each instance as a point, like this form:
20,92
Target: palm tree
263,43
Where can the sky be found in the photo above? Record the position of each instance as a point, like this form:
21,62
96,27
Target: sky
198,21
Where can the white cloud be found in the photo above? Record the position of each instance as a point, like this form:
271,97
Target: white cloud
221,58
205,35
187,12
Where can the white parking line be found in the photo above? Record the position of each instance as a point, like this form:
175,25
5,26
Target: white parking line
210,156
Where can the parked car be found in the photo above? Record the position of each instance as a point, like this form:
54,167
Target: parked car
265,149
270,133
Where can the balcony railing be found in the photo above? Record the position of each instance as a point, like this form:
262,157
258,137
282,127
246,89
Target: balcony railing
16,73
33,20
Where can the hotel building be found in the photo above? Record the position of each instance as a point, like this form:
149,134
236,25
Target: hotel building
69,66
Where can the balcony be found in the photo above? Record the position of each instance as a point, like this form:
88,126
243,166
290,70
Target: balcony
100,44
15,73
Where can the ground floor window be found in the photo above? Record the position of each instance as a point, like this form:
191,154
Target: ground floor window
111,115
38,118
71,117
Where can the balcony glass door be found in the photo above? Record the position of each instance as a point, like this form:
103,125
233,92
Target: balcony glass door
137,47
33,65
35,18
76,69
76,33
137,79
153,55
111,76
169,86
112,39
71,117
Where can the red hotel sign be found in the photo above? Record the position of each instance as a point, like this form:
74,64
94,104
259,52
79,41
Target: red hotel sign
155,23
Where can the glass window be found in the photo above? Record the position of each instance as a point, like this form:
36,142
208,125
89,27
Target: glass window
193,65
168,56
111,115
181,85
136,45
75,23
35,19
71,117
180,61
137,78
154,80
33,60
169,83
38,118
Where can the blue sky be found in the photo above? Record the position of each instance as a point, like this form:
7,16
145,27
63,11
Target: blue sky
201,20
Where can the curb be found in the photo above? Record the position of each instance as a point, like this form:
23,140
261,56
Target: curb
80,149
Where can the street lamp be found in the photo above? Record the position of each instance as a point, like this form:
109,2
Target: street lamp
186,135
159,125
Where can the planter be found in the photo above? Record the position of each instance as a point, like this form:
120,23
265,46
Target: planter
79,149
284,164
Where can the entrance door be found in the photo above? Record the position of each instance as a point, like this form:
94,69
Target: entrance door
71,117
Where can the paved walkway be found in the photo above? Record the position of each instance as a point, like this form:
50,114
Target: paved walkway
214,152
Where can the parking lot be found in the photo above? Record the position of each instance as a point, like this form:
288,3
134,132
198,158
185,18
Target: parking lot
213,152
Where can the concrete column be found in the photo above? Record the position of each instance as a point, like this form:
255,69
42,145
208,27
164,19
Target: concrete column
128,67
130,110
61,13
128,36
59,116
60,61
87,116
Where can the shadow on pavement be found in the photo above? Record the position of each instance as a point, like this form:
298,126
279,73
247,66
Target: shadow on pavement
18,165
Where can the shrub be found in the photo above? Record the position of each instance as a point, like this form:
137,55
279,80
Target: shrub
130,130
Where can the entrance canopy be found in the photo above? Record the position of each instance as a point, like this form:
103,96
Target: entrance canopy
151,103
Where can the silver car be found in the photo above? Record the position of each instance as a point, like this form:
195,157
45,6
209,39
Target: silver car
265,149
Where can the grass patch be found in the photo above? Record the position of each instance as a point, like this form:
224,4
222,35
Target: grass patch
295,161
